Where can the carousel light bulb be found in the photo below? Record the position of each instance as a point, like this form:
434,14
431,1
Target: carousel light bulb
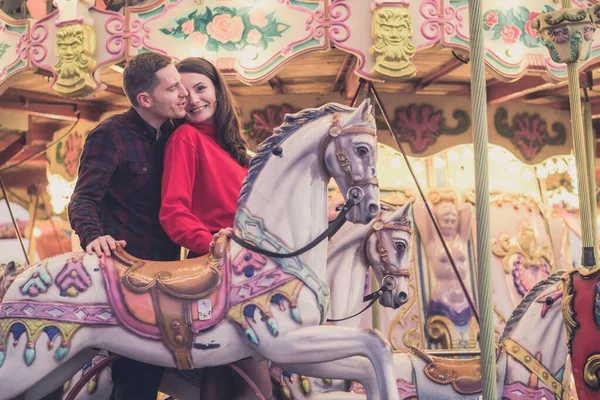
37,232
541,172
418,167
551,167
453,156
467,153
395,163
438,162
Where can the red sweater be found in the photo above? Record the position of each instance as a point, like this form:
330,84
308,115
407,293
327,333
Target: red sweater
200,187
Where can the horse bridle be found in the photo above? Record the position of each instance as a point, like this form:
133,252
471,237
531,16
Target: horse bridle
377,229
390,276
333,135
354,195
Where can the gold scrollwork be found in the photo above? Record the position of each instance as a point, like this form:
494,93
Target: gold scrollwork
411,337
500,198
526,245
391,29
590,371
568,312
75,49
442,331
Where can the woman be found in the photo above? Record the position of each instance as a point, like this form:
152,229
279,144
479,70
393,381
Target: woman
204,167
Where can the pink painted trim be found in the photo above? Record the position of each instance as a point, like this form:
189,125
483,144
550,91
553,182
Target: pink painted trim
39,50
19,51
518,391
78,20
252,285
36,310
383,3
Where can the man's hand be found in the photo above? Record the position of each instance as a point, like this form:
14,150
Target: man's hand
103,245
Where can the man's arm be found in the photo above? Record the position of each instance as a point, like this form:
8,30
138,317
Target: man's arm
99,161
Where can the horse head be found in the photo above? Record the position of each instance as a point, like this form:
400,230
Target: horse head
387,248
349,154
8,273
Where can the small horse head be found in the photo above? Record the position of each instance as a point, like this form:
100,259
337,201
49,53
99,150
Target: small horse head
387,248
8,273
349,154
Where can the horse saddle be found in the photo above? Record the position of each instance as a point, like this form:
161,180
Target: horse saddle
463,374
170,301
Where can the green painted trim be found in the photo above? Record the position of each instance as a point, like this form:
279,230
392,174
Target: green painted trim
18,29
19,65
152,13
305,4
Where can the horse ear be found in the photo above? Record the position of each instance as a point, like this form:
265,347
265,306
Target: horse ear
10,268
363,111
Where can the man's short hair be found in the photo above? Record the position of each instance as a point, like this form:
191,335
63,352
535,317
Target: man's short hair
140,74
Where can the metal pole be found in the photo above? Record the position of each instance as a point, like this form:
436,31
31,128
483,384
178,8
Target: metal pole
386,117
482,196
12,217
591,168
585,213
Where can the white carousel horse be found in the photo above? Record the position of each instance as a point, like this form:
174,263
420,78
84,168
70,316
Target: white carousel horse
535,331
217,309
350,253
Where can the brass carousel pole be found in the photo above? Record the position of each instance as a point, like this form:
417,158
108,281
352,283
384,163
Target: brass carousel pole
567,34
482,199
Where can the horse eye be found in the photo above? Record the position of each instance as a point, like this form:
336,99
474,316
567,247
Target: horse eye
400,246
339,208
362,151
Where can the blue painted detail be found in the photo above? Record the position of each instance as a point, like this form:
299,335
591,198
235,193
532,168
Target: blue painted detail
29,356
2,357
559,375
17,330
63,293
597,305
249,271
277,299
294,266
61,353
249,310
248,257
250,334
287,374
51,331
296,315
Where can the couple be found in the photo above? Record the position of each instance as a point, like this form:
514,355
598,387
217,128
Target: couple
166,173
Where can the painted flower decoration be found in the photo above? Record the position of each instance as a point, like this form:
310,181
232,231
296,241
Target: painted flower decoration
264,121
513,26
227,28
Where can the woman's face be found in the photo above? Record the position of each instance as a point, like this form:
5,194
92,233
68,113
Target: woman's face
201,103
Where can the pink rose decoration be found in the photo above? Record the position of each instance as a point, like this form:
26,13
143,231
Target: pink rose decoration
188,27
258,18
253,37
491,18
510,34
198,39
225,28
530,31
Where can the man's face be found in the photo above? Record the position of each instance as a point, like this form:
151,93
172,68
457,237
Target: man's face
168,98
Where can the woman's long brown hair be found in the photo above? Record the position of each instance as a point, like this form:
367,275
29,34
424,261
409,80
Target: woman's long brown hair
228,132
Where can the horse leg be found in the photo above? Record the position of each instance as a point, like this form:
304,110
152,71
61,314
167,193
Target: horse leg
319,344
54,381
354,369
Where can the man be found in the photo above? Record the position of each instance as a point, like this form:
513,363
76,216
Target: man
116,200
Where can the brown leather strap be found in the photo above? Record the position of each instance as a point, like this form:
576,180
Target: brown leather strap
174,318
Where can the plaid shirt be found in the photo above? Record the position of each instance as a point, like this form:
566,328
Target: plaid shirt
118,189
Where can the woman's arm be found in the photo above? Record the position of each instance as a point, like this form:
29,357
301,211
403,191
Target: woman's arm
178,181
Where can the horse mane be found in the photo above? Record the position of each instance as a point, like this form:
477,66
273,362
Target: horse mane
529,298
291,124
